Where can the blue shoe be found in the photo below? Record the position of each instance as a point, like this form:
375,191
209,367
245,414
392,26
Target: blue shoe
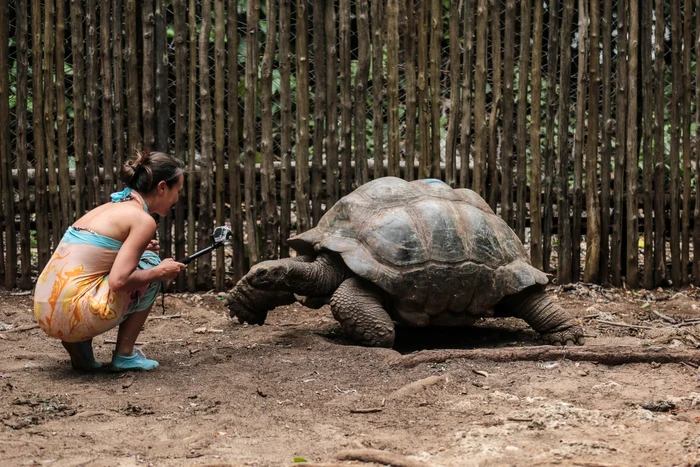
136,362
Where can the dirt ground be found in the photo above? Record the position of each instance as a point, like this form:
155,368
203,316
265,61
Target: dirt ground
296,391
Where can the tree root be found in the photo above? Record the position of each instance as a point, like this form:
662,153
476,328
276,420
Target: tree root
607,355
378,456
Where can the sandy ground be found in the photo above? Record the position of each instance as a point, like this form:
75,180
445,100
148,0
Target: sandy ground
295,390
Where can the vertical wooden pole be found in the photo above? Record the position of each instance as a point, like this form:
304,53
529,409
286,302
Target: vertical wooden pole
302,153
192,137
536,251
392,86
92,104
361,77
632,149
285,63
64,188
320,91
508,111
267,173
120,152
593,235
579,138
181,83
676,95
106,23
455,97
133,81
10,266
219,132
659,145
687,169
496,102
467,66
480,98
434,63
23,204
162,112
376,14
647,43
204,219
606,149
411,88
521,144
49,120
344,38
148,74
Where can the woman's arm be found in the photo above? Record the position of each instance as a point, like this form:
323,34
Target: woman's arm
124,274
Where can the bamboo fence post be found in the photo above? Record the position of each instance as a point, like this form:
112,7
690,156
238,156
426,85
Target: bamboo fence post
302,148
285,62
92,71
616,251
535,138
593,235
162,113
40,199
696,211
219,133
377,88
606,149
496,103
106,77
508,111
676,95
632,148
434,90
118,97
234,151
685,209
64,188
206,175
267,168
10,265
423,92
455,98
78,56
659,143
411,88
467,66
646,42
480,136
579,138
181,66
392,86
332,164
552,72
564,229
23,203
192,136
49,119
521,155
148,74
361,77
133,82
320,92
344,39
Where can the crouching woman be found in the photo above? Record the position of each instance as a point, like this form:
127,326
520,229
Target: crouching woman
105,271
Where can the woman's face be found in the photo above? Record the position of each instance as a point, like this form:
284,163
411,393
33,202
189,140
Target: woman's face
168,196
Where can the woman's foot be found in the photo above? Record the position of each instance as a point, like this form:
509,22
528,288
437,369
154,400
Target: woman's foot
81,355
135,362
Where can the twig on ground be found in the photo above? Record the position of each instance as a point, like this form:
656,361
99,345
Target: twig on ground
24,327
623,325
378,456
664,317
416,386
165,317
691,322
368,410
519,419
690,365
591,316
607,355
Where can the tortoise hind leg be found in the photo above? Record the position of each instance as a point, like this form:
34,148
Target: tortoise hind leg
550,320
357,307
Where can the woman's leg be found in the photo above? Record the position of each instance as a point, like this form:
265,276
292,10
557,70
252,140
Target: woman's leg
81,356
129,330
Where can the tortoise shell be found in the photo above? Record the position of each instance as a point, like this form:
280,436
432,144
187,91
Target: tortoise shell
441,254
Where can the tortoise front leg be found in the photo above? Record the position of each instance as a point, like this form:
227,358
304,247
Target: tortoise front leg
357,307
550,320
305,275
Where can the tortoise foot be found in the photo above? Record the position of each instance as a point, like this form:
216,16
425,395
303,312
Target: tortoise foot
572,335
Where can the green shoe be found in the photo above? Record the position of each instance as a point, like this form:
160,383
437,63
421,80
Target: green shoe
136,362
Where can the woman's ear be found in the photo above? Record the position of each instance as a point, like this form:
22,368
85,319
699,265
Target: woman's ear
161,186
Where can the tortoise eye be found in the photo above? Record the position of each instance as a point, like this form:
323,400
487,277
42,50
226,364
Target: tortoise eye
260,272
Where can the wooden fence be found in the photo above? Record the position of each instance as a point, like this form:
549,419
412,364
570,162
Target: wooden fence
575,119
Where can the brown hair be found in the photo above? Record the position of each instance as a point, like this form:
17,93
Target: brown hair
144,173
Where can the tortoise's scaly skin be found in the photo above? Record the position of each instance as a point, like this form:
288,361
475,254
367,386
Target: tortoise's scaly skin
441,254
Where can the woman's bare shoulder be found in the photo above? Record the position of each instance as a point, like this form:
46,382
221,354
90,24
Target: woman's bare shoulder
116,220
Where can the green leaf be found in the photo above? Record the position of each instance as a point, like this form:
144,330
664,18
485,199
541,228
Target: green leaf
646,305
300,459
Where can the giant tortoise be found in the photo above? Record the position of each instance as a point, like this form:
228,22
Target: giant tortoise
415,253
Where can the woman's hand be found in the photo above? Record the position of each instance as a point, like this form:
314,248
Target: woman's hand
170,269
153,246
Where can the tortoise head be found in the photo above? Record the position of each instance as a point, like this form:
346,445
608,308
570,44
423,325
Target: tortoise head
268,275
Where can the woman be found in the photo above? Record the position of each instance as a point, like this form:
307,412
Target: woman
105,271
